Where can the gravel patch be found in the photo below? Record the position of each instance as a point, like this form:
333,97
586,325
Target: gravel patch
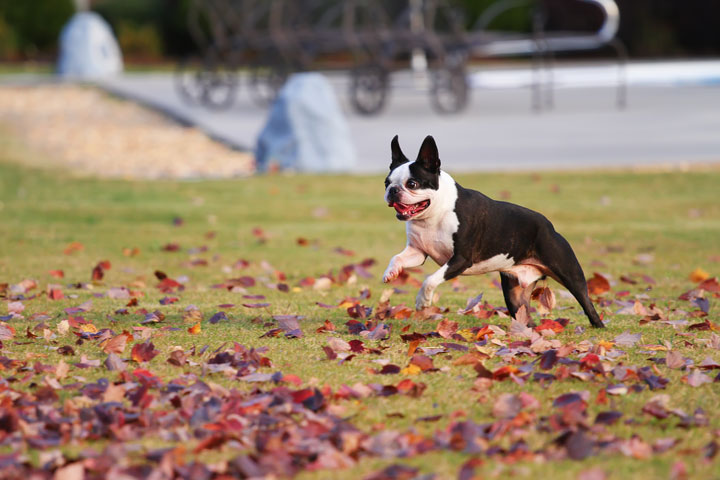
93,133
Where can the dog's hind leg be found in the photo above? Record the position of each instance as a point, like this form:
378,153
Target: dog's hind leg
557,255
515,294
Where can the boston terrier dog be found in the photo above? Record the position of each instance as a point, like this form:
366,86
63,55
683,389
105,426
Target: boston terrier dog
467,233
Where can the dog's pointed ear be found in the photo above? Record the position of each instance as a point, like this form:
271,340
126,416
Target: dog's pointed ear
398,157
428,156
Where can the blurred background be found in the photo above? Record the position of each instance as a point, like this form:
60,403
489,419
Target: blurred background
501,84
156,31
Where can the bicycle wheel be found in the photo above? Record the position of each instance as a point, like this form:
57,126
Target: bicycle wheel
220,82
449,91
369,89
188,81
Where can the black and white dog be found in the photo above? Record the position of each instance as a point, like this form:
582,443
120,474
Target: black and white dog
467,233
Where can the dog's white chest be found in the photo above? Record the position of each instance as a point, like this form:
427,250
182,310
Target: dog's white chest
435,241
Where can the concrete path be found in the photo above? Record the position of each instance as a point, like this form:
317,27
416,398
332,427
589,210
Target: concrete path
672,118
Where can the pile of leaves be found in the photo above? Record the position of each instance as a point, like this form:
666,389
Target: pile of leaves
125,391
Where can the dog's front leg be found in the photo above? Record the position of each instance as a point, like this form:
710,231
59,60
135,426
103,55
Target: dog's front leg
410,257
455,266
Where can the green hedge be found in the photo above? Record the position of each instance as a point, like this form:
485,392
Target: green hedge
29,29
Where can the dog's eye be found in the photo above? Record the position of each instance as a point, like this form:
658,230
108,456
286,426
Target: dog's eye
412,184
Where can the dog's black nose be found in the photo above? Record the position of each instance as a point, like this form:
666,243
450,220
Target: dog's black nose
393,190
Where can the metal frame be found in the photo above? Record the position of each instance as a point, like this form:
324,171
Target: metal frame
273,38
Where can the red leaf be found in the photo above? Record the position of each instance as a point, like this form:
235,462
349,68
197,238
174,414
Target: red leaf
168,285
97,273
55,294
357,346
710,285
548,324
143,352
57,273
590,360
598,284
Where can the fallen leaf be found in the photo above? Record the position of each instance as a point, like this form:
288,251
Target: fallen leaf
338,344
674,359
114,363
411,369
446,328
627,339
598,284
116,344
507,406
73,247
143,352
699,275
72,471
697,378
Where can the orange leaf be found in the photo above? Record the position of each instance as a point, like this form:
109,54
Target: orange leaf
598,284
195,329
486,330
699,275
73,247
504,372
413,346
57,273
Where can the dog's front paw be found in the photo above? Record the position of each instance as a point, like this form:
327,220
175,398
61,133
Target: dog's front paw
390,274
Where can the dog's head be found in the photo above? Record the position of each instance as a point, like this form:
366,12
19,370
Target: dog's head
412,187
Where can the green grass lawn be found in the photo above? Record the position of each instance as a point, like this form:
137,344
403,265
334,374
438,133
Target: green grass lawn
662,224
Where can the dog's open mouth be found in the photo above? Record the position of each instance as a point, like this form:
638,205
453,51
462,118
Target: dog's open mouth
404,211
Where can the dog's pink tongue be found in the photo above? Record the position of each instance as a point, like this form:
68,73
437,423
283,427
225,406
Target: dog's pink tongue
401,207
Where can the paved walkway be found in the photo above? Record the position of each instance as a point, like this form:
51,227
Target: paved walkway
673,117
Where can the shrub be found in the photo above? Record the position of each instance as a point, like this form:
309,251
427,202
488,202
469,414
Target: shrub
33,27
139,41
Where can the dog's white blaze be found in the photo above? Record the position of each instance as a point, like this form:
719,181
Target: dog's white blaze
500,262
432,230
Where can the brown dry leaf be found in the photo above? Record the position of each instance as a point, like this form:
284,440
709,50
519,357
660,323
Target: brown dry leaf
519,329
507,406
697,378
116,344
471,358
73,471
447,328
639,309
522,316
546,299
192,316
338,344
114,393
674,360
61,370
